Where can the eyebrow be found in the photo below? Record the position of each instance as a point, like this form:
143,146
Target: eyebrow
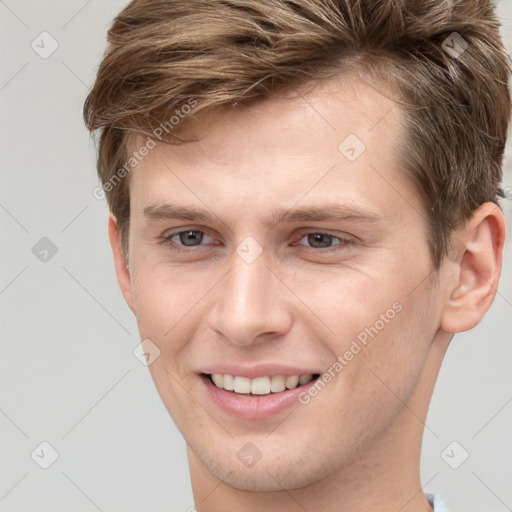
328,212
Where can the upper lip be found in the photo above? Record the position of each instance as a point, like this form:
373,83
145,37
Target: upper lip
257,370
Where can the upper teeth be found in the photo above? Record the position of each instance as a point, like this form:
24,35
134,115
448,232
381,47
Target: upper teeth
259,385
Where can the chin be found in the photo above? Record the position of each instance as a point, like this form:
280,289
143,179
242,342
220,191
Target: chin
262,479
276,473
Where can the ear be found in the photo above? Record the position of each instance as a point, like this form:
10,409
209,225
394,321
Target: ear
122,271
474,266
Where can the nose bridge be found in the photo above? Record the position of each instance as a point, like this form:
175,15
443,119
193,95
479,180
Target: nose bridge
246,287
248,302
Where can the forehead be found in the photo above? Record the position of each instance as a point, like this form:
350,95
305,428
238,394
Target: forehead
342,138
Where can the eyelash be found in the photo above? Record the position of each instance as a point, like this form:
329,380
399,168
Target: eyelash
344,242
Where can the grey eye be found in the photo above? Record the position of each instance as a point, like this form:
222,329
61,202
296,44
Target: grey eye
190,238
319,240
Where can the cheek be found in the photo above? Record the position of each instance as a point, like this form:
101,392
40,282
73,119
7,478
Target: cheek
382,332
170,305
395,351
348,306
166,315
163,299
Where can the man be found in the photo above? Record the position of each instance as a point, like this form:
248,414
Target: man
304,211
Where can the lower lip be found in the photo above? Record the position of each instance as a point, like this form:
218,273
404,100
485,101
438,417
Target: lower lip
253,407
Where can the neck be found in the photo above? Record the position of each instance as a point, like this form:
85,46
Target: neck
383,478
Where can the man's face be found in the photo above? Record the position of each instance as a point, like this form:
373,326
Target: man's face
259,290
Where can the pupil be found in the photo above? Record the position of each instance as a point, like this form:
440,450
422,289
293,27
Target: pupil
192,237
313,238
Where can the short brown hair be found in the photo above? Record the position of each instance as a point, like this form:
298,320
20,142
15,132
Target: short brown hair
445,61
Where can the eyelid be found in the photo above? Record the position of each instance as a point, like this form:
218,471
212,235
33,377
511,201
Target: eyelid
344,241
167,235
342,236
302,233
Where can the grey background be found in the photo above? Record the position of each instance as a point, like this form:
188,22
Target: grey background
68,373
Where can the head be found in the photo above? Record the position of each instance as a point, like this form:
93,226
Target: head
259,115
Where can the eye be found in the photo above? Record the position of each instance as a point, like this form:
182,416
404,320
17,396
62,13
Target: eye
185,238
321,240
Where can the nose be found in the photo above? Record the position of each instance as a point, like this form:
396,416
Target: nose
251,303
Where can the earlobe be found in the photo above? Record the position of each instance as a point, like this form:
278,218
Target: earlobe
121,266
474,263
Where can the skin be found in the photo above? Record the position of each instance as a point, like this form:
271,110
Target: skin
356,445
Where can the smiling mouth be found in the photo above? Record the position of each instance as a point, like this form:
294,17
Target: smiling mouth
265,385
